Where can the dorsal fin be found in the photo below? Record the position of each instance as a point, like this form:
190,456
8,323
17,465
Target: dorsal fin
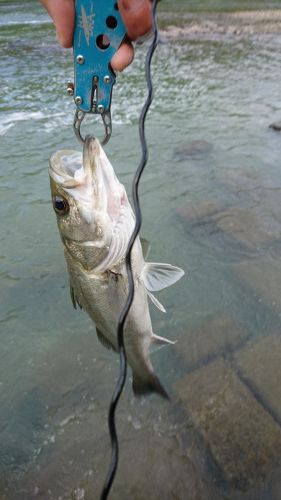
145,245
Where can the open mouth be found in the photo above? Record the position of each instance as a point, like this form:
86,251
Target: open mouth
66,165
92,183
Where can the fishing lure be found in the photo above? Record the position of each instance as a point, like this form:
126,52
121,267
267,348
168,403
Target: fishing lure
98,33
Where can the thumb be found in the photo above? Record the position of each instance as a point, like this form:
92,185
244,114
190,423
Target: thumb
137,17
63,13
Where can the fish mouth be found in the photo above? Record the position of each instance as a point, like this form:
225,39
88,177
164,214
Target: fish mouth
66,166
90,179
69,168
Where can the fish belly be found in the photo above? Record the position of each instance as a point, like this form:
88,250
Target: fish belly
103,297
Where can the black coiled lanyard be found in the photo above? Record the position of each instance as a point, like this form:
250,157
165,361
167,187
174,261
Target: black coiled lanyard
121,322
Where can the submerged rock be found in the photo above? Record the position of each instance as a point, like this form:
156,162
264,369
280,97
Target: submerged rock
243,438
192,148
248,228
263,276
259,363
217,336
200,210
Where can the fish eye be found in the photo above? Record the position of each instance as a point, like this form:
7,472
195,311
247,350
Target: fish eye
60,205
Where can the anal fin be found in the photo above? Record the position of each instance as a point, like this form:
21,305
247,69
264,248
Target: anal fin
162,340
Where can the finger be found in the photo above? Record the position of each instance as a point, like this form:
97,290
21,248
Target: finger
137,16
123,57
63,14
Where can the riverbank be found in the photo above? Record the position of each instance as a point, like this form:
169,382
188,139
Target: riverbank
189,25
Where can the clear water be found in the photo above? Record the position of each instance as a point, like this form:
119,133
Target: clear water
56,380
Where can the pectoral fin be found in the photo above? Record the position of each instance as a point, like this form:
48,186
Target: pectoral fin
158,276
74,299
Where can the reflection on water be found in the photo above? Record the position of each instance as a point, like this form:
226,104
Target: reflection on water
211,205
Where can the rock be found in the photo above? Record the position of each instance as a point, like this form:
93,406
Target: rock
218,335
242,437
259,364
153,463
199,210
264,277
276,126
158,467
193,148
246,227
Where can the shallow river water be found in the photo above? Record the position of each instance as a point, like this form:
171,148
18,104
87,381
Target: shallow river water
211,204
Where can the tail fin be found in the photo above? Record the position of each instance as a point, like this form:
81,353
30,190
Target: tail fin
148,385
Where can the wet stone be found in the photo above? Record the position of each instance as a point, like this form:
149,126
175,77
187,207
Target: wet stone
243,438
248,228
264,277
218,335
240,179
260,365
199,210
159,468
192,148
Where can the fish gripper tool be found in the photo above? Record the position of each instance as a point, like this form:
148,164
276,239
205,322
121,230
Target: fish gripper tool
98,33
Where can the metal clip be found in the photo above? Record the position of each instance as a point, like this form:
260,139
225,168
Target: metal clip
106,118
98,33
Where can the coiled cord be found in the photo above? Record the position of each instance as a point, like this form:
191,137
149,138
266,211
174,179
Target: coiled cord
121,322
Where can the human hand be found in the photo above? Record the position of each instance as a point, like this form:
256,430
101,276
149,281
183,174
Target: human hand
136,14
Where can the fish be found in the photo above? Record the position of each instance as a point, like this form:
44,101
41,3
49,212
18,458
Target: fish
95,222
